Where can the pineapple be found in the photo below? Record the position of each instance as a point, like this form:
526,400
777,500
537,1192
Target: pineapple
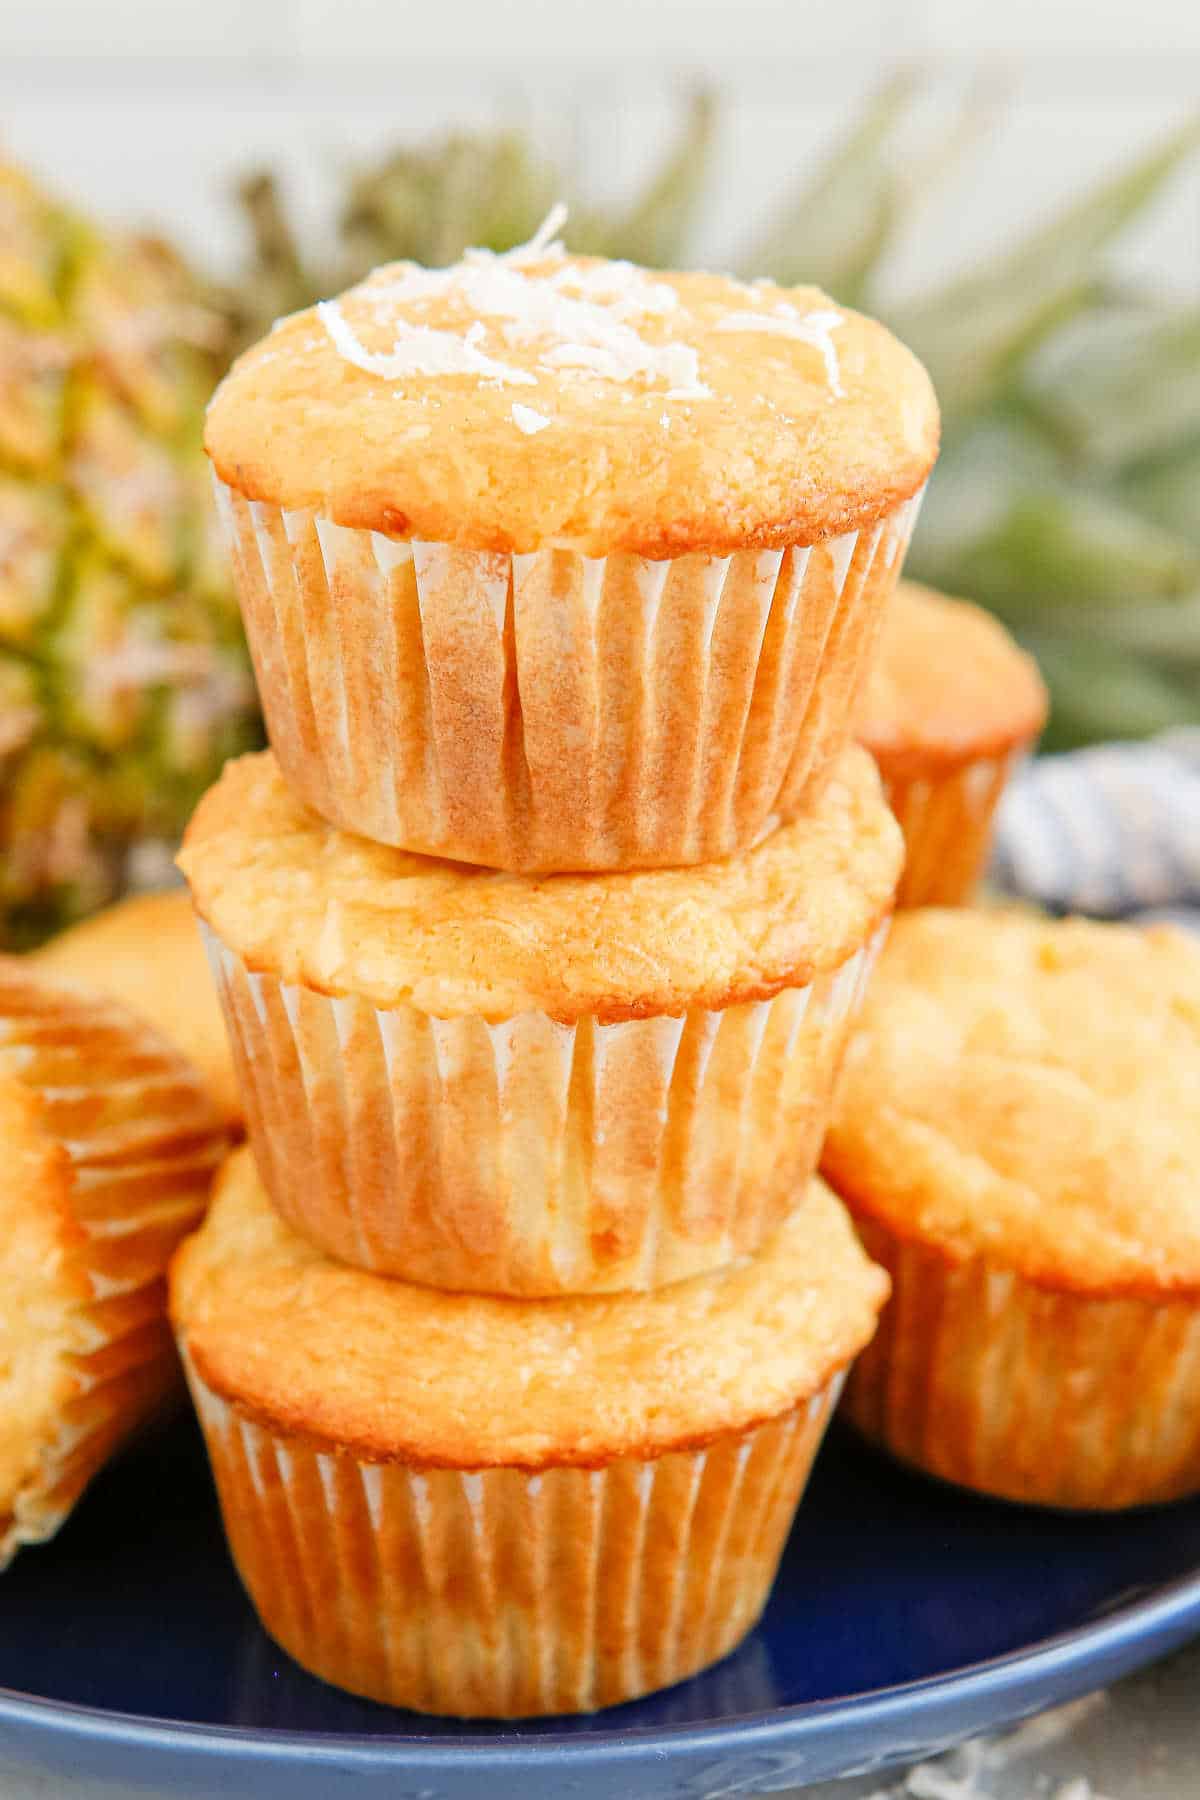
123,677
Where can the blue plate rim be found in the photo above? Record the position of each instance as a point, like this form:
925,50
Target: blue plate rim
1053,1669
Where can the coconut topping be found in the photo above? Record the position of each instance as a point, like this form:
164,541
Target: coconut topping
417,350
808,328
528,421
582,320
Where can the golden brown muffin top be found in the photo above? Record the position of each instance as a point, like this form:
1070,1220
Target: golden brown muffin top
949,685
392,1371
295,897
1028,1091
147,953
512,403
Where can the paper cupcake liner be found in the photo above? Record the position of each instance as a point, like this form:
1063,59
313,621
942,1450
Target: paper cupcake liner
144,1145
1035,1395
555,711
530,1157
947,823
268,1693
508,1592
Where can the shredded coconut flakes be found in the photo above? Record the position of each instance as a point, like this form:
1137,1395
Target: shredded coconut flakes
545,240
417,350
807,328
528,421
579,319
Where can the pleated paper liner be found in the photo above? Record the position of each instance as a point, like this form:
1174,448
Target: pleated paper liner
947,820
508,1592
143,1143
554,711
1032,1394
531,1157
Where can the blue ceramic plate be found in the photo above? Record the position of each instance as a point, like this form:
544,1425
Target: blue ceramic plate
905,1616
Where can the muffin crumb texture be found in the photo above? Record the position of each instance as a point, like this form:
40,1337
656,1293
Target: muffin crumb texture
293,896
535,399
1026,1091
390,1371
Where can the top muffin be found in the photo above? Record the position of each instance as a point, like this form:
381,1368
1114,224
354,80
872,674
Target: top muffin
510,403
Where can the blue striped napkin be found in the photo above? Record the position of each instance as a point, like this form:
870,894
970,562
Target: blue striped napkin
1113,831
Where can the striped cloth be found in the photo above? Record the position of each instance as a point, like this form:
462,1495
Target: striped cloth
1113,831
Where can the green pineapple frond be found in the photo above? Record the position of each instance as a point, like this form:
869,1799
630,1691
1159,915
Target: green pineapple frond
430,203
1120,384
835,229
973,332
1165,488
655,228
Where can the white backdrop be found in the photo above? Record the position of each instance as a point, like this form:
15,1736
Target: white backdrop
146,109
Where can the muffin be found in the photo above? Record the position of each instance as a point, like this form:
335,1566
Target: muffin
146,952
601,1516
548,563
950,705
1015,1136
536,1085
109,1144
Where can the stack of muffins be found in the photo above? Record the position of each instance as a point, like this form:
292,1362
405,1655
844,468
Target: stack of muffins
539,934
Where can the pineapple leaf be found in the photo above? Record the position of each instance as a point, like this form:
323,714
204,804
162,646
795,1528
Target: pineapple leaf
1054,546
281,280
971,332
1167,490
1005,524
429,204
1121,383
1098,691
654,229
1168,632
832,232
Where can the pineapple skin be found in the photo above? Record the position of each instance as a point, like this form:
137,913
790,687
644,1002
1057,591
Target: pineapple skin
124,680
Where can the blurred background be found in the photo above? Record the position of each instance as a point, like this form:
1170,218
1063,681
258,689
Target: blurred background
1015,189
